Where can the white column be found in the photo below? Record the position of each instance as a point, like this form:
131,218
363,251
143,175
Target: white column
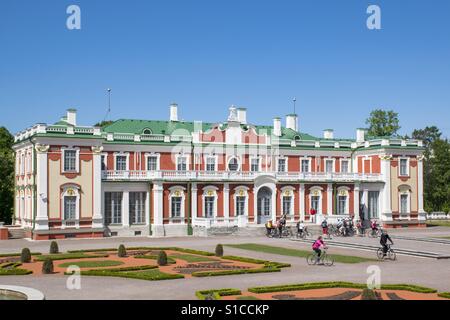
147,208
356,202
41,222
422,214
97,217
386,214
126,209
226,202
302,202
194,203
330,199
158,227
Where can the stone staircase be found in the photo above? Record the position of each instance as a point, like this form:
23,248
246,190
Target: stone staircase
16,233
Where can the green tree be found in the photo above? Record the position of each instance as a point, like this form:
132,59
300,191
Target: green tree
6,176
437,187
427,135
383,123
103,123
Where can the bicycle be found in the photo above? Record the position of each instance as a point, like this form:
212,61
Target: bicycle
325,259
304,234
374,233
390,254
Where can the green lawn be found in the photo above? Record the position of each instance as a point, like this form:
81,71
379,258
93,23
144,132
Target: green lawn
440,223
247,298
92,264
294,252
191,258
66,256
155,257
150,273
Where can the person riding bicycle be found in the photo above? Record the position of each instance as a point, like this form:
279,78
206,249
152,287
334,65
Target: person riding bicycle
324,226
340,225
269,227
383,241
374,225
317,246
300,228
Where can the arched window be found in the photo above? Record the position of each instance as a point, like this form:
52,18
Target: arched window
146,131
70,199
233,164
315,199
343,201
241,201
210,202
287,201
176,200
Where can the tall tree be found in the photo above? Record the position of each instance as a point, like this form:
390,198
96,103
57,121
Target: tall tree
103,123
383,123
437,189
6,176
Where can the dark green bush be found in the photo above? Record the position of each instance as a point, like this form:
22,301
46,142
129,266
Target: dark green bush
369,294
162,258
54,247
219,250
25,256
122,252
47,266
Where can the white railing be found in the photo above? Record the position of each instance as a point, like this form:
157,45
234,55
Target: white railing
215,222
173,175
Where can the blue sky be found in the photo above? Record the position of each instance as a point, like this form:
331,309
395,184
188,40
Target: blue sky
209,54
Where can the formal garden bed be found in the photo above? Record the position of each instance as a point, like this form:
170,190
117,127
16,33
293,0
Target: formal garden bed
146,263
326,291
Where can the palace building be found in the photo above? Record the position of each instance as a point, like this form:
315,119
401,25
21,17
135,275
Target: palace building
173,178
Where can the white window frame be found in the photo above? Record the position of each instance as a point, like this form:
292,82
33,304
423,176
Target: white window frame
210,191
77,160
288,192
144,208
348,165
22,163
238,163
105,162
158,157
363,163
343,191
125,154
258,158
76,193
312,192
400,167
183,155
286,159
173,193
216,161
309,164
333,165
408,207
240,192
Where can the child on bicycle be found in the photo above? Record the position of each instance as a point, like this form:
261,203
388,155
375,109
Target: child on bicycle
324,226
317,246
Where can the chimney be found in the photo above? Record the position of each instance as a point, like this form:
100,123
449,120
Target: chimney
242,115
360,135
71,117
292,122
328,134
173,112
277,127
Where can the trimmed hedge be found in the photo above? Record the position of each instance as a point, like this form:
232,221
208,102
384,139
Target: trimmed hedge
25,256
54,249
7,255
337,284
267,263
66,256
199,252
162,258
202,274
11,269
217,293
445,295
47,266
134,273
121,252
219,250
155,257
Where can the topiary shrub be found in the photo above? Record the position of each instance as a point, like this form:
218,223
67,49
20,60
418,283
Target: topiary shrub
25,256
54,247
219,250
122,252
47,266
162,258
369,294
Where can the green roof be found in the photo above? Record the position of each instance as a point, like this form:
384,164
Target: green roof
156,127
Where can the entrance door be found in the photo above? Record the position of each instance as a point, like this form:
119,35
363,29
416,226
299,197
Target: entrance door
264,204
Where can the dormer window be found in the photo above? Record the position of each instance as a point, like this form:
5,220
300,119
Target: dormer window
147,131
233,164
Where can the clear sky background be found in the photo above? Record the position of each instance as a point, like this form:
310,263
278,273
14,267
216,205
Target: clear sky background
208,54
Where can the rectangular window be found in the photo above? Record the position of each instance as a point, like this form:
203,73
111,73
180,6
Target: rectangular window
182,164
70,158
281,165
344,166
104,162
240,206
176,207
287,204
315,200
209,207
121,163
329,166
254,166
210,164
70,208
404,167
152,163
137,207
404,203
342,204
373,204
113,207
305,166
